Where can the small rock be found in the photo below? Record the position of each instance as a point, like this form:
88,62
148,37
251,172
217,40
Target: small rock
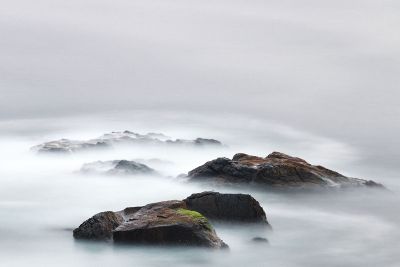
260,240
117,167
205,141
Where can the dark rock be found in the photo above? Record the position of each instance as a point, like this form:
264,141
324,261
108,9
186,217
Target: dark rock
260,240
99,227
371,183
115,138
228,207
277,170
131,167
168,222
162,223
173,222
204,141
117,167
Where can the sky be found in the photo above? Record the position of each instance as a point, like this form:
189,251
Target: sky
327,67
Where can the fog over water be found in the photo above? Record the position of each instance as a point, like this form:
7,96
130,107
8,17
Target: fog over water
314,79
43,197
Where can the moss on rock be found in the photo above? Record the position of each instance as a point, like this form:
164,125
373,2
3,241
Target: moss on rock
195,216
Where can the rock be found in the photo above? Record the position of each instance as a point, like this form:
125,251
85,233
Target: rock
227,207
117,167
204,141
260,240
115,138
371,183
67,146
99,227
277,170
196,142
162,223
131,167
177,222
168,223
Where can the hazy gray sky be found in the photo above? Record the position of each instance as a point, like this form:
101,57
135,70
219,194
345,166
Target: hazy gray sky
331,67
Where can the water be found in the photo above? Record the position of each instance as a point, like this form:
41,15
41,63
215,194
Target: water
314,79
42,198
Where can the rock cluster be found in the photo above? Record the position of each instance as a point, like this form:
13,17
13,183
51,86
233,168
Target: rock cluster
174,222
277,170
115,138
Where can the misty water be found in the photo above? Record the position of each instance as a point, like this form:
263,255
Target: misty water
44,197
310,78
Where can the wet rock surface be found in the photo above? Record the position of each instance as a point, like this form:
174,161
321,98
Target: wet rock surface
162,223
99,227
117,167
227,207
117,138
166,223
277,170
174,222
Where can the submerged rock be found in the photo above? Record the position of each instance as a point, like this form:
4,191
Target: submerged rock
227,207
198,141
260,240
277,170
115,138
117,167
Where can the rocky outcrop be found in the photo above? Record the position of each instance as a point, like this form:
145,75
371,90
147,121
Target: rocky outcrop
116,138
117,167
174,222
277,170
227,207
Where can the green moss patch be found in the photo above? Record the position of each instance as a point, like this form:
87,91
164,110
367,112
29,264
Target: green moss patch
196,216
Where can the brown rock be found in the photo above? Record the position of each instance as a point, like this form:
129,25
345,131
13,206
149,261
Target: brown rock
277,170
162,223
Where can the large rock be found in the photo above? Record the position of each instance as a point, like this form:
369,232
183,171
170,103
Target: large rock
162,223
168,222
174,222
277,170
227,207
117,167
115,138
